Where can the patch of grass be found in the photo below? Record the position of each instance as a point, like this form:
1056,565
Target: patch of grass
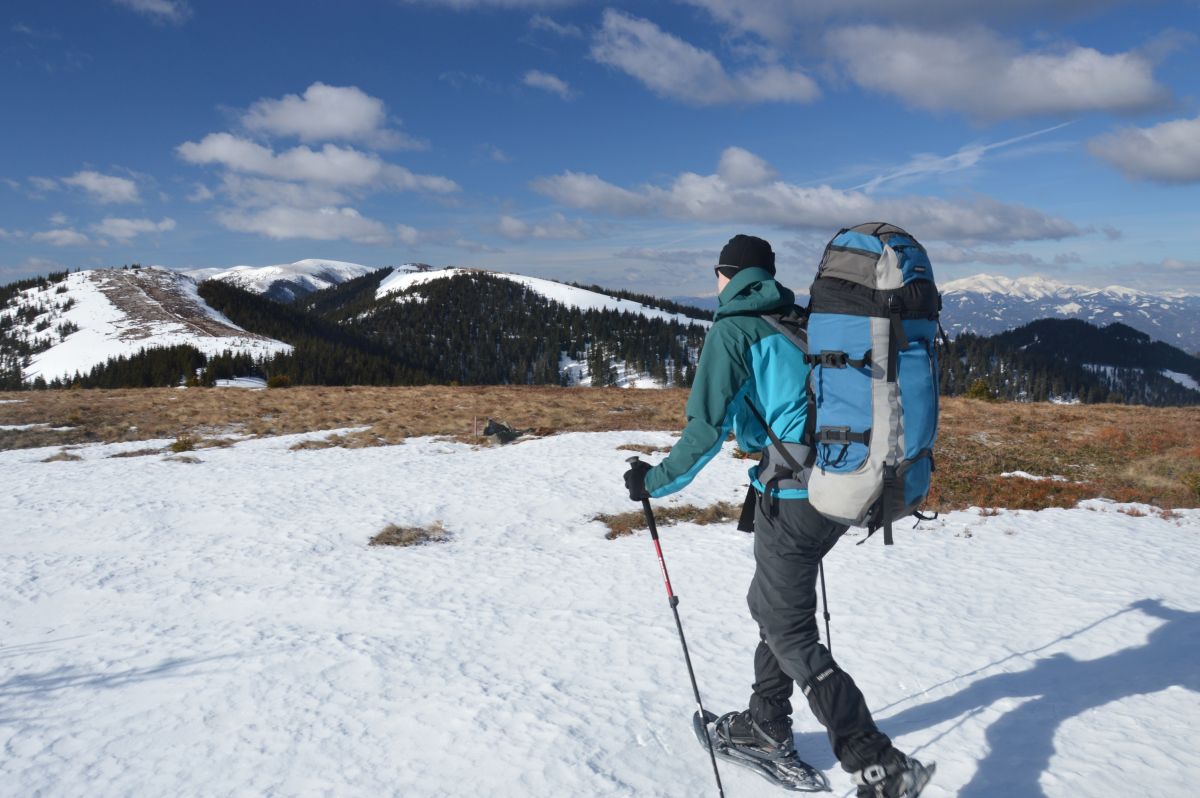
354,440
395,535
643,448
183,443
62,457
622,524
138,453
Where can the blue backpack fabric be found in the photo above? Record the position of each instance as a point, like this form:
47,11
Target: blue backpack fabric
872,336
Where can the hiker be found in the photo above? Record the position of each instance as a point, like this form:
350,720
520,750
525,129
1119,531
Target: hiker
747,356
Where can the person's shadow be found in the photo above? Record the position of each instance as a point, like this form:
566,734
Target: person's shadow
1021,742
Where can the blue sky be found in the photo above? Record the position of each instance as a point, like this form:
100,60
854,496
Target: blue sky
615,143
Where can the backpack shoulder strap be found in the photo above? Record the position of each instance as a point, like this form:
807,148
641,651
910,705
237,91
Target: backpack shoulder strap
793,325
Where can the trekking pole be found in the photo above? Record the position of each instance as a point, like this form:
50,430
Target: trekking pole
825,607
673,600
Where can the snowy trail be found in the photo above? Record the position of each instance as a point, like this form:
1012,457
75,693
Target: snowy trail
221,628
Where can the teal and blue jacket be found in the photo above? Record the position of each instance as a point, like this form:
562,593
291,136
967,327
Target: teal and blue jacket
743,356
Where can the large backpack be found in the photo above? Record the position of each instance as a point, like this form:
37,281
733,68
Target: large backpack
872,336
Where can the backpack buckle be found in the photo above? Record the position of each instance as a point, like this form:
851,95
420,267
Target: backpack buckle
831,359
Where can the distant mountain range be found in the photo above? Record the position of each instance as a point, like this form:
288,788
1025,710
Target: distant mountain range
285,282
987,305
331,322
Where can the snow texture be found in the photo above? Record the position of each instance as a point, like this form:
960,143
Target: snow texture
400,281
1186,380
120,312
221,628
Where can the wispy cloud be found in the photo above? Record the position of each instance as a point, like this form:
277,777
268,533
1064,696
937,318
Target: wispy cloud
537,79
966,157
672,67
175,12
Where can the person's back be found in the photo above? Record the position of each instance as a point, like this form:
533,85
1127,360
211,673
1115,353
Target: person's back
745,357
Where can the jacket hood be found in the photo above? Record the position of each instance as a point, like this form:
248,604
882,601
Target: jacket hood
753,291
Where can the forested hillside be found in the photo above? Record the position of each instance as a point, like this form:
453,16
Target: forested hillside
1068,359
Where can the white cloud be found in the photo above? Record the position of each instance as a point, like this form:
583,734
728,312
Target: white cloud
1178,265
257,192
59,219
172,11
671,67
126,229
5,234
547,82
408,234
1165,153
320,224
557,228
712,198
496,154
743,169
326,113
776,20
543,22
976,72
43,183
956,255
201,193
105,189
475,247
687,256
331,165
64,237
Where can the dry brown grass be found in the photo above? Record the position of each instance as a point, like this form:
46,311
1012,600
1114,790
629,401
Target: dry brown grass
392,414
1128,454
621,524
1139,454
62,457
393,535
643,448
138,453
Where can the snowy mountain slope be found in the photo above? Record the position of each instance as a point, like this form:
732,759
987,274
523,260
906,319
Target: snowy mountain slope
401,281
988,304
285,282
159,641
120,311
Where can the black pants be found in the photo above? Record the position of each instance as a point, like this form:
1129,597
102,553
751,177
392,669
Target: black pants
790,538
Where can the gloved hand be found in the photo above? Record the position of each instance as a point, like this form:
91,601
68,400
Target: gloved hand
635,480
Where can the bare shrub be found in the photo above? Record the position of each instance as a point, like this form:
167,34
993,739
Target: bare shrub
395,535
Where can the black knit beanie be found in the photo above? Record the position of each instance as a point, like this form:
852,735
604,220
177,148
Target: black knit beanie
743,252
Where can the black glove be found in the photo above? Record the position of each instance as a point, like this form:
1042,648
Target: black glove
635,480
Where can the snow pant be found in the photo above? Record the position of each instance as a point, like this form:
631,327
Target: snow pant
790,538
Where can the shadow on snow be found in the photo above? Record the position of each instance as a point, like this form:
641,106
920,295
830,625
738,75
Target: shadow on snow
1021,742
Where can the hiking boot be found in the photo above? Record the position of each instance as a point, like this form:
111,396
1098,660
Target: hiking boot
894,776
772,739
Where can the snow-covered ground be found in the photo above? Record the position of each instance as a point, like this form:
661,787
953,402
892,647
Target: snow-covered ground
221,628
118,312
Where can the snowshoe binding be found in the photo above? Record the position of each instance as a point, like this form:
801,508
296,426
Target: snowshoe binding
765,751
895,776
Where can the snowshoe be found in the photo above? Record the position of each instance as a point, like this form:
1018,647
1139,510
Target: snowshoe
896,776
783,769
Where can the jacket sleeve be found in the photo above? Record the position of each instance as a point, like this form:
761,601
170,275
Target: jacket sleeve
722,378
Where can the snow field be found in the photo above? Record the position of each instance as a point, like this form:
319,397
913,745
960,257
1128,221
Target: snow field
222,628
